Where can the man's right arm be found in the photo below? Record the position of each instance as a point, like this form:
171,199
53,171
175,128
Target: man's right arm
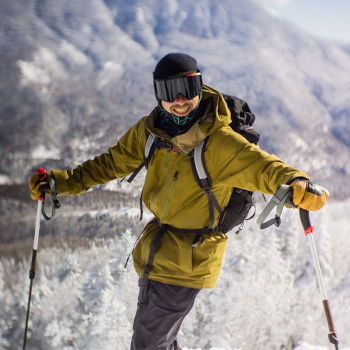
121,160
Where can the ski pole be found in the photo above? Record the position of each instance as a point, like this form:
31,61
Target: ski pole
308,229
40,210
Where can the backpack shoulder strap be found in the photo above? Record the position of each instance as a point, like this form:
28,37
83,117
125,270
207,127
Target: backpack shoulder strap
200,171
150,141
150,147
203,179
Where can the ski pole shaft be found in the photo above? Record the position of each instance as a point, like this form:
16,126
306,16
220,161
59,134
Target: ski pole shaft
32,267
37,224
41,200
308,230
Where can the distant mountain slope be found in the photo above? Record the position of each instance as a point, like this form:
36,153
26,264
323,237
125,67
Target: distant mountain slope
75,75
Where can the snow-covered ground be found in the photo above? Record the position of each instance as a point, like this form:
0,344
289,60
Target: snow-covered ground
266,298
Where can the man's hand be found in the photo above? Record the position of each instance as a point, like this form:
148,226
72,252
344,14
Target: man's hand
34,185
308,195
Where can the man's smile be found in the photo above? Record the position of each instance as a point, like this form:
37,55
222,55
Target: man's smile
181,111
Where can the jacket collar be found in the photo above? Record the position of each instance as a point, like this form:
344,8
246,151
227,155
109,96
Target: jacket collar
215,117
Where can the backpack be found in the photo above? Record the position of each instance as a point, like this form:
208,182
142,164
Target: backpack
241,200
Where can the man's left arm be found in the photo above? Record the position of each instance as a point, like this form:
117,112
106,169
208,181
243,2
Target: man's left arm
256,170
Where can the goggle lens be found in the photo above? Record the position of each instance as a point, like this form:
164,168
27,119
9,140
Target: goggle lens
189,85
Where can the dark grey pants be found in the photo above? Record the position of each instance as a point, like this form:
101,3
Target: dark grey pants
160,311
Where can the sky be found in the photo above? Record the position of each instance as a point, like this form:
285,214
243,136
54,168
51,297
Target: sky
328,19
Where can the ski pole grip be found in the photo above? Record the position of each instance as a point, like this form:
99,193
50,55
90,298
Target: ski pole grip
45,187
305,221
42,174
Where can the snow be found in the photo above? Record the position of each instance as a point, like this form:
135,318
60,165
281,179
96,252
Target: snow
5,179
41,152
129,211
306,346
84,298
67,49
43,69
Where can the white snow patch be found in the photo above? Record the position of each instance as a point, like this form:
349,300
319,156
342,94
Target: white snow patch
129,211
271,11
112,66
33,74
41,152
5,179
71,51
44,68
112,71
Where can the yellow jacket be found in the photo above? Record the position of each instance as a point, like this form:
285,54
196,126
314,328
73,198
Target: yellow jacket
172,194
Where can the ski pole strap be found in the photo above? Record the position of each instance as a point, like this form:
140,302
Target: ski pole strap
51,185
278,200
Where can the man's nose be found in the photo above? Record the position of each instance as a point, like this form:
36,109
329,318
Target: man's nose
180,99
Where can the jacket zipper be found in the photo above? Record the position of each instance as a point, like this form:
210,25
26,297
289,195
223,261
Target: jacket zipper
165,174
169,193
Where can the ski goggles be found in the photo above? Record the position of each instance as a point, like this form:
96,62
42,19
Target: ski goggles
189,85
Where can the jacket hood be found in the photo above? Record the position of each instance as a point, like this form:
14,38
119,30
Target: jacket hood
216,116
217,110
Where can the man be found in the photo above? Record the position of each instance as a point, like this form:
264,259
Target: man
172,269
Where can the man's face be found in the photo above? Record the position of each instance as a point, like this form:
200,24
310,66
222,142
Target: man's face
181,107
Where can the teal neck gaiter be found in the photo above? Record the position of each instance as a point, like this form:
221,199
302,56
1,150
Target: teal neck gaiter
166,116
175,125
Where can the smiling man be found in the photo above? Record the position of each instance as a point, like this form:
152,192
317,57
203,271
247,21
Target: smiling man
181,249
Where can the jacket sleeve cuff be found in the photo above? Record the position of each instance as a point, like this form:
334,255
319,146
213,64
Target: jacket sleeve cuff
298,178
60,177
